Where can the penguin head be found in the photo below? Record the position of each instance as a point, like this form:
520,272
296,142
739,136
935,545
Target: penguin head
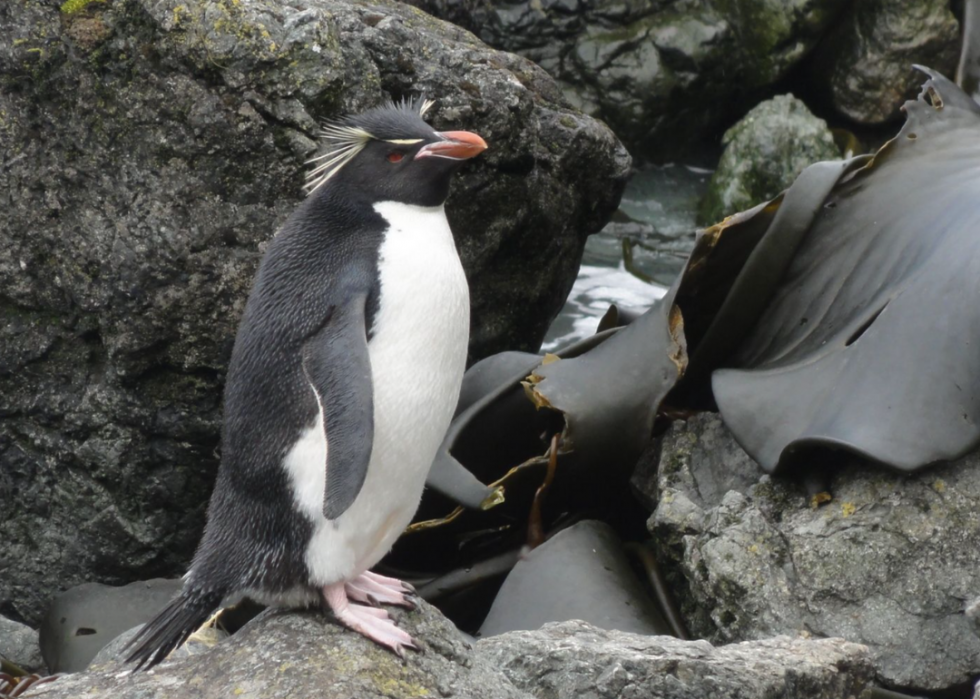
390,153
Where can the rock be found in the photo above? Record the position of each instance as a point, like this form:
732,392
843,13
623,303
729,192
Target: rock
150,150
764,154
580,573
865,63
304,654
573,659
81,621
19,645
887,563
665,74
201,641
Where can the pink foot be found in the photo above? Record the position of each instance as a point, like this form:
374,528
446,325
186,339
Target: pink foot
392,583
370,622
374,589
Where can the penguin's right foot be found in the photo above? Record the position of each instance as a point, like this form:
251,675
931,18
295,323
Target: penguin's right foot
370,622
393,583
375,589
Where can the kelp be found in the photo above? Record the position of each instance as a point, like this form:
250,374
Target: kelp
580,573
809,321
496,425
12,686
869,341
840,315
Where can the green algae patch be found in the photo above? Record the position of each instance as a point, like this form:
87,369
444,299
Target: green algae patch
71,7
400,688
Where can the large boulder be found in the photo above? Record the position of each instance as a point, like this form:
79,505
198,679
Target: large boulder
150,150
890,562
764,154
864,66
306,655
662,74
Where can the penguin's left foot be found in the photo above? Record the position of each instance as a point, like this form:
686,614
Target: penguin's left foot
377,589
370,622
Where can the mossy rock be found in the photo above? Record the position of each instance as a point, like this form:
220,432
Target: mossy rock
764,153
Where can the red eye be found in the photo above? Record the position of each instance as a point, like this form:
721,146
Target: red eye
394,157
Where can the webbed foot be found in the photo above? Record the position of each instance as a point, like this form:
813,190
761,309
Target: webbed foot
370,622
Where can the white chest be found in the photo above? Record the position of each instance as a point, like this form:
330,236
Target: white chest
418,354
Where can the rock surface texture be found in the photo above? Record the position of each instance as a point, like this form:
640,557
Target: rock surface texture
19,645
304,655
764,153
148,151
890,562
573,659
865,63
661,73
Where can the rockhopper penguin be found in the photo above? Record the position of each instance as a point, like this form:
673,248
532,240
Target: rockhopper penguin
342,383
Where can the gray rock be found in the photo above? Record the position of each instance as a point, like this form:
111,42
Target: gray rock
764,154
887,563
82,620
663,74
573,659
865,63
19,645
303,654
149,151
201,641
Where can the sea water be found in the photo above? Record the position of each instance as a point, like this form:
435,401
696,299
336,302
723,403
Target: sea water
637,256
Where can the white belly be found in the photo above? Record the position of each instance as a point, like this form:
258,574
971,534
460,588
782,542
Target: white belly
418,354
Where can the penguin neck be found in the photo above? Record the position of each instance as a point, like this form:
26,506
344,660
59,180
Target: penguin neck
400,215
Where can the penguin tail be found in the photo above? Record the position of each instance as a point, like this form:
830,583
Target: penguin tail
170,628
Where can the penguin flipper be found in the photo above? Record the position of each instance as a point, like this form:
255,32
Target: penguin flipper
338,367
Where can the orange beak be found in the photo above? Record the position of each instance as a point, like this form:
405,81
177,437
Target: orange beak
458,145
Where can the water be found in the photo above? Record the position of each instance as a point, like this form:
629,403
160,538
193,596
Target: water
633,260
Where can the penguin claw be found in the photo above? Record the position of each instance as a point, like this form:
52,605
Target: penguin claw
393,584
377,589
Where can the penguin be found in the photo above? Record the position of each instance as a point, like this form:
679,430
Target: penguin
343,379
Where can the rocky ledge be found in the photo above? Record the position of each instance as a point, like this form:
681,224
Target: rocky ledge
301,654
890,562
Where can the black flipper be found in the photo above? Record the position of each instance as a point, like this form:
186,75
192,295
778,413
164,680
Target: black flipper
337,364
170,628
